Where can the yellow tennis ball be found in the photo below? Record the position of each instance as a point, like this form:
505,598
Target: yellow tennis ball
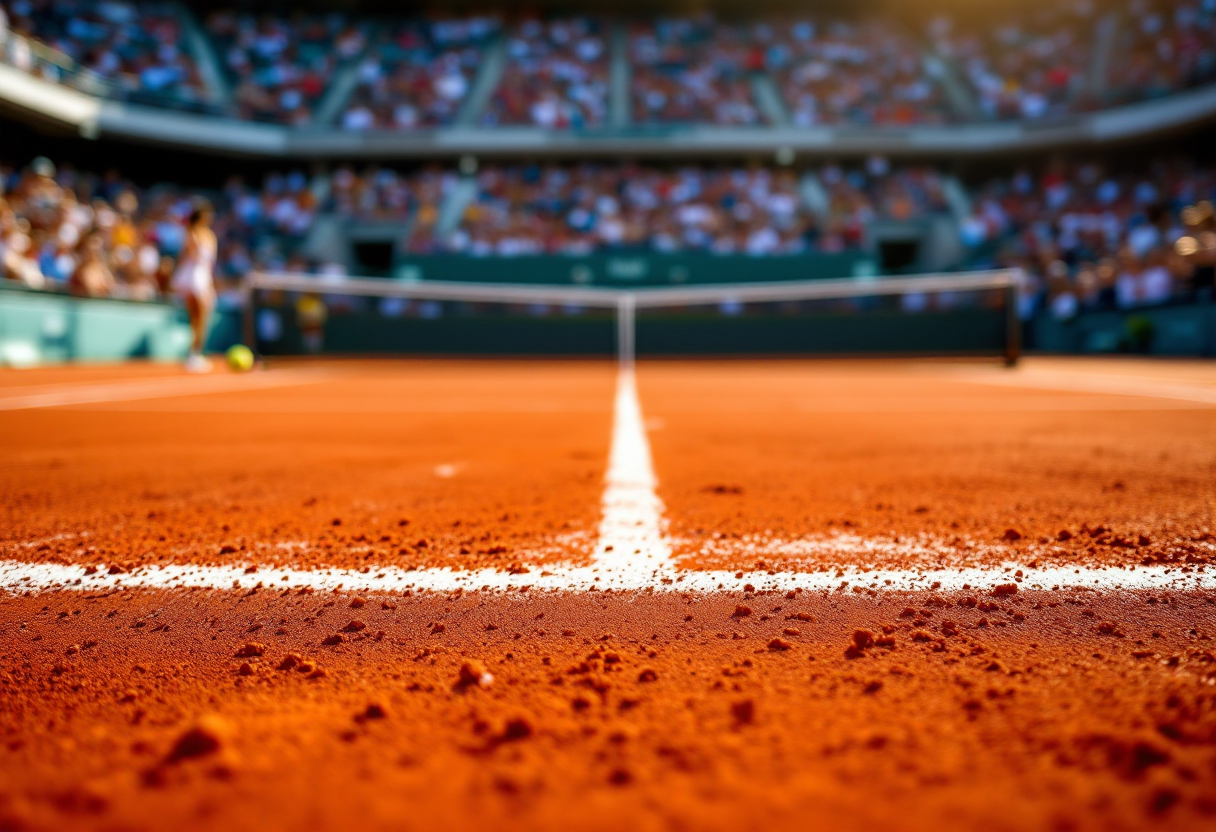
240,358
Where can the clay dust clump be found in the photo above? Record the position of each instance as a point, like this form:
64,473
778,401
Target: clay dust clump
207,736
473,674
517,728
648,675
374,710
743,712
252,650
741,611
862,641
779,645
1005,589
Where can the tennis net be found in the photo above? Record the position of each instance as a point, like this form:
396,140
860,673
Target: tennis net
971,313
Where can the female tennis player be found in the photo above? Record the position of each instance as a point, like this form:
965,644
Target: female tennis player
193,280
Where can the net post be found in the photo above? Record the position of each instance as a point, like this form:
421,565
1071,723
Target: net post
626,312
1013,322
249,319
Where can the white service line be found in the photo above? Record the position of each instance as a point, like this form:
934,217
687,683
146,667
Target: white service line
631,525
61,395
18,577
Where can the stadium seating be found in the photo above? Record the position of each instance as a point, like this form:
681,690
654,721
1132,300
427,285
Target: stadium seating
556,76
564,74
1086,236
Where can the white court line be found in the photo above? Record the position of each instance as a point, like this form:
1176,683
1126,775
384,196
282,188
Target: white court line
1076,382
155,388
631,526
16,577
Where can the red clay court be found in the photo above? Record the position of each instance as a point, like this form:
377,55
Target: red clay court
452,594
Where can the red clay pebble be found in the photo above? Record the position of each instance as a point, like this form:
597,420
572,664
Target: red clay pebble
1011,535
354,626
872,687
1063,534
336,638
251,650
357,603
742,611
1005,589
620,777
863,639
744,713
791,631
517,728
779,644
648,675
473,674
376,710
207,736
246,669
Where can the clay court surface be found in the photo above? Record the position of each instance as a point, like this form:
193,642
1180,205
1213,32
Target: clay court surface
754,595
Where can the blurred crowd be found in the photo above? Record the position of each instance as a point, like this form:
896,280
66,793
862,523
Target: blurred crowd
1095,238
281,66
1033,62
556,209
556,76
102,236
1087,236
838,72
136,49
687,70
1166,46
418,74
1029,66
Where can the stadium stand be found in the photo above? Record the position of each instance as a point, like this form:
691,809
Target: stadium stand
418,74
556,76
832,72
1164,47
688,70
855,80
1087,237
129,50
1095,238
1032,66
282,66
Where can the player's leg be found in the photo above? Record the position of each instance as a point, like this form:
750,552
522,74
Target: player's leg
198,308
